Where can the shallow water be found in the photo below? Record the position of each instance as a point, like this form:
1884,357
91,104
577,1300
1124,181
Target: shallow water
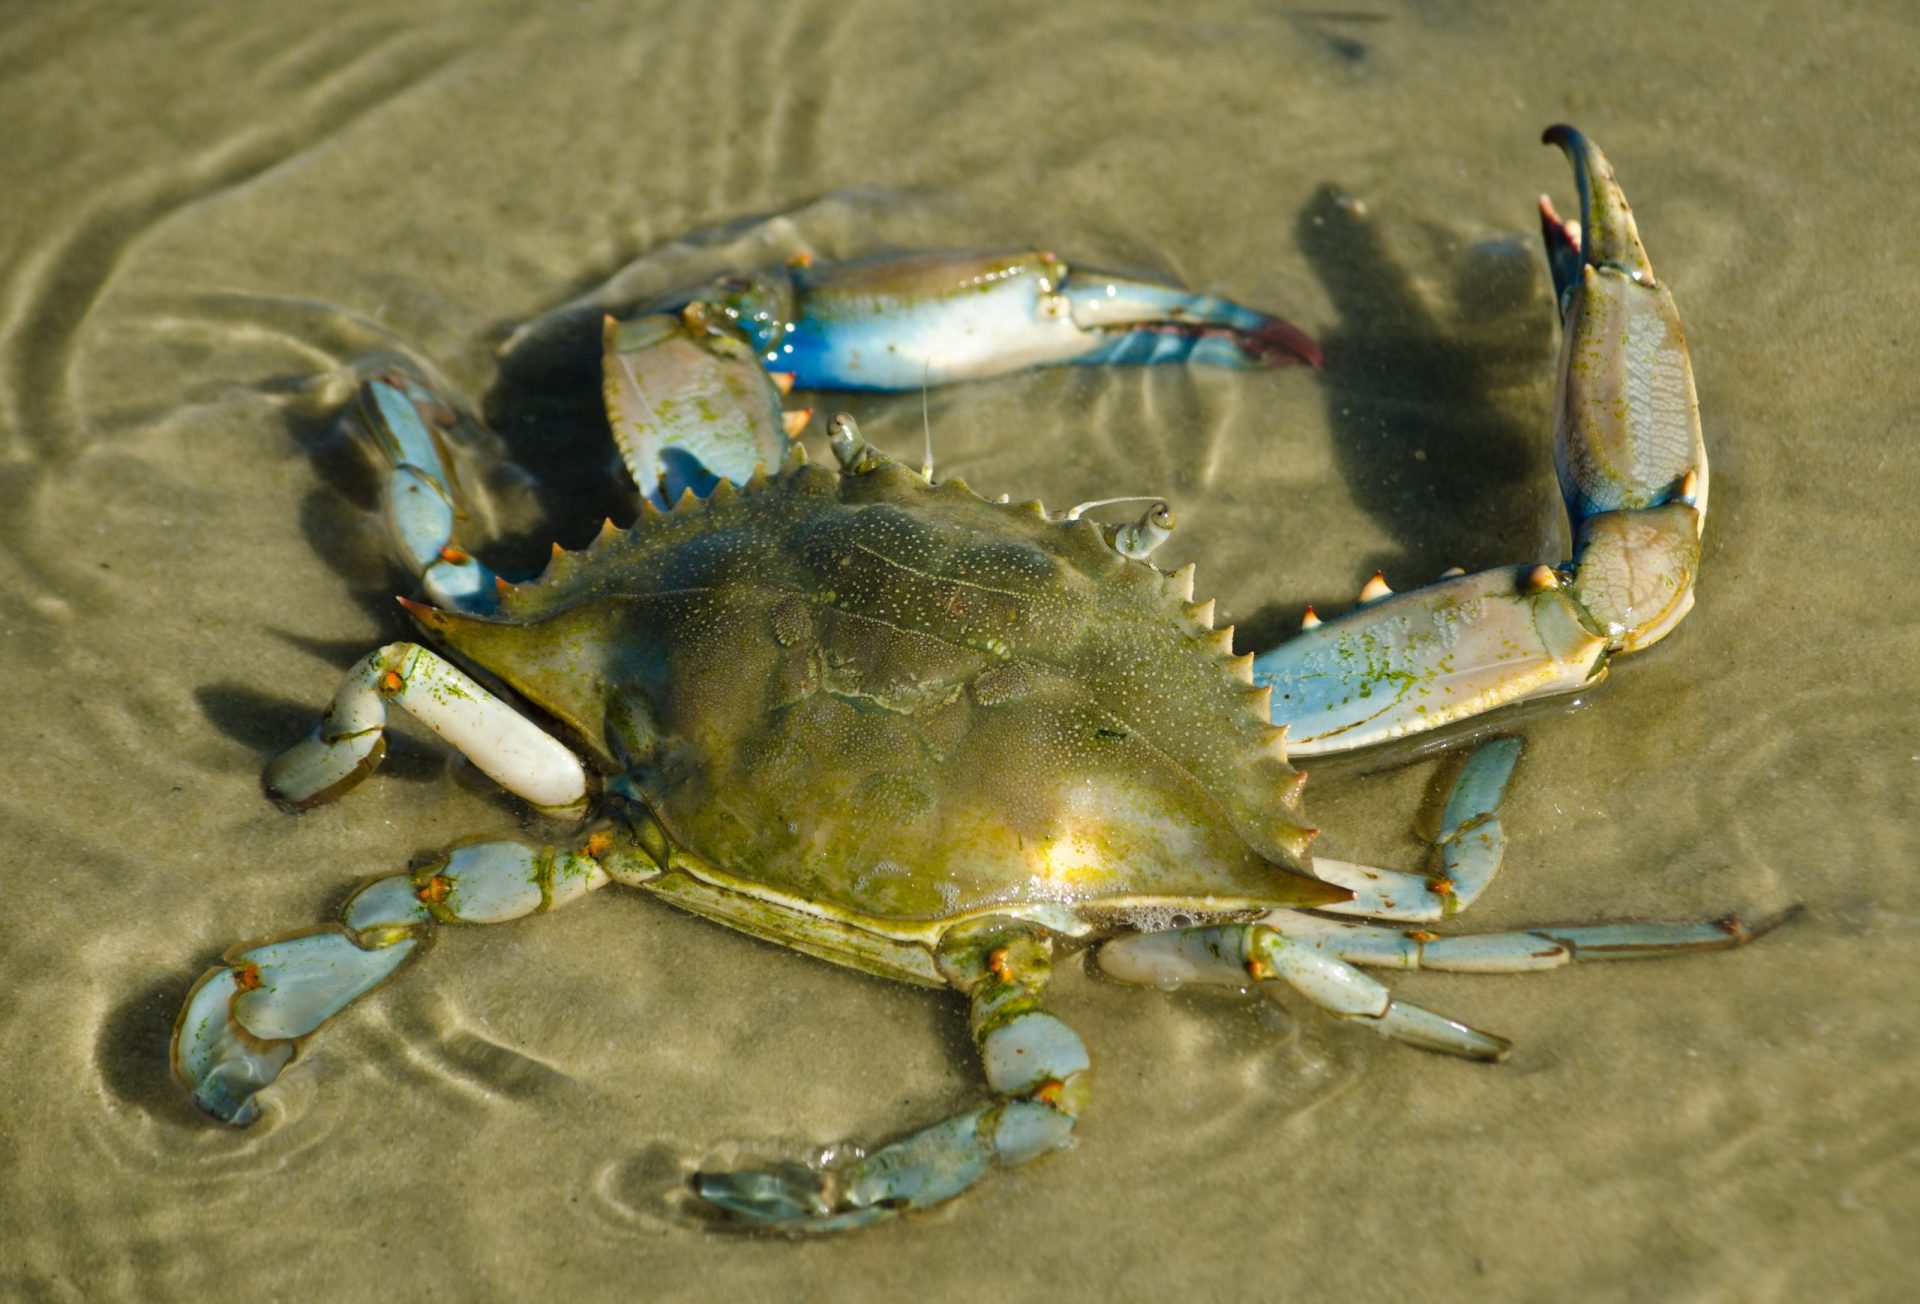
210,207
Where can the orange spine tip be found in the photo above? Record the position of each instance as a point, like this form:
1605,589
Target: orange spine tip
1540,579
501,586
1453,572
782,381
1375,588
1311,619
796,421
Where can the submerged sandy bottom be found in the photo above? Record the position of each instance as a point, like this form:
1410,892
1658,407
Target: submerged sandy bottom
204,211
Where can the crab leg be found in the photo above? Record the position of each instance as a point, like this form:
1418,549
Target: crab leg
350,739
1633,472
1471,843
1521,951
244,1020
421,503
1236,955
1036,1066
1316,957
932,319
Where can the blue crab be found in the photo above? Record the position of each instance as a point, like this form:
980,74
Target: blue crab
884,721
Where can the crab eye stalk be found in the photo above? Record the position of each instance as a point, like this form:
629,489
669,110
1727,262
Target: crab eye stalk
1138,539
856,455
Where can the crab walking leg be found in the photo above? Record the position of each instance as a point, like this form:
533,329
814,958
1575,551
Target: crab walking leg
1036,1066
937,318
1316,956
1471,843
350,739
1521,951
244,1020
420,504
1237,955
1633,473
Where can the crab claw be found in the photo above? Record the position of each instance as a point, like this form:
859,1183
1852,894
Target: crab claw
1633,473
931,319
1608,236
689,404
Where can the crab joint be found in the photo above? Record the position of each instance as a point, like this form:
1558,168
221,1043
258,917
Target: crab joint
597,843
247,977
998,965
455,556
391,683
434,890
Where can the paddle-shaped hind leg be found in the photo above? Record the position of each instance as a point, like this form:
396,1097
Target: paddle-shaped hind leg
1038,1071
244,1020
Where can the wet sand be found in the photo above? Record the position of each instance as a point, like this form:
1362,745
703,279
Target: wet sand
206,209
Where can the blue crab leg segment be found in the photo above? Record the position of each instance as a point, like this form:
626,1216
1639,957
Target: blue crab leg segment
690,404
350,739
244,1020
420,504
1471,844
1520,951
1242,955
1633,472
1036,1066
932,319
